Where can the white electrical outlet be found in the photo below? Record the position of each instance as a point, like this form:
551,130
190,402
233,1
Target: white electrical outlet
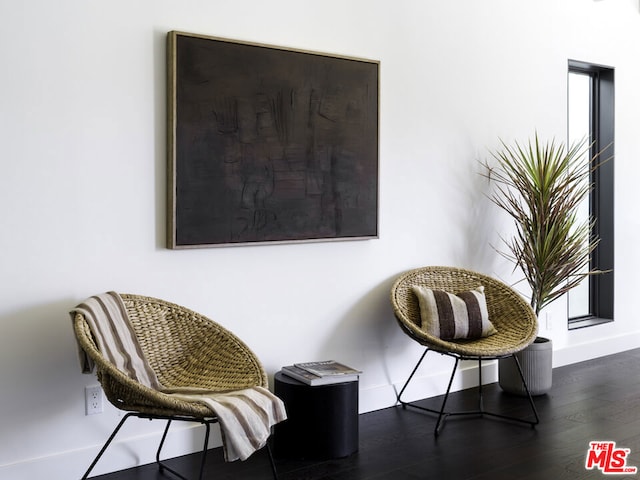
93,400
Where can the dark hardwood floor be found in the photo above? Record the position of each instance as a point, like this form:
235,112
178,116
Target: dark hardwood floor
594,400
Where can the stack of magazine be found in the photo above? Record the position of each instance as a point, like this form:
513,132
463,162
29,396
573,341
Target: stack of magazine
321,373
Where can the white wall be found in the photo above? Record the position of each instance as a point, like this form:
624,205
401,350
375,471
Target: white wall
82,189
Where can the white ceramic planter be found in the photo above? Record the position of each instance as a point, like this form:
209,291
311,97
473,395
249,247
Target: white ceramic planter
537,367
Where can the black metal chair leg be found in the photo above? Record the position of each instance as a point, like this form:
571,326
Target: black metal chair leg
273,463
164,466
444,401
207,424
510,418
526,387
415,369
480,396
204,449
443,414
164,436
107,443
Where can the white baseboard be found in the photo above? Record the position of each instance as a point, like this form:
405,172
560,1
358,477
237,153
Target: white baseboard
121,454
595,349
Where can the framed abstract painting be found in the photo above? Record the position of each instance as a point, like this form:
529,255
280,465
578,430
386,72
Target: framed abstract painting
267,144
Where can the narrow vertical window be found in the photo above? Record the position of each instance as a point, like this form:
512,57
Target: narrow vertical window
579,126
591,116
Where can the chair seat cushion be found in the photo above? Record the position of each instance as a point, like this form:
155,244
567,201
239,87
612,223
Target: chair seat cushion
454,316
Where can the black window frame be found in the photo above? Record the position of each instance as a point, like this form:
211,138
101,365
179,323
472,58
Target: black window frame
602,129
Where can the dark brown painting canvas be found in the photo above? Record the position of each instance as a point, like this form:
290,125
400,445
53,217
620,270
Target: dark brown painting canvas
269,145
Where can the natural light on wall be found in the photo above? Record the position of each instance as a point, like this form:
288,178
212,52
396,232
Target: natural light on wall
579,127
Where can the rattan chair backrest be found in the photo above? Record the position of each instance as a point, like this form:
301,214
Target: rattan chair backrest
508,311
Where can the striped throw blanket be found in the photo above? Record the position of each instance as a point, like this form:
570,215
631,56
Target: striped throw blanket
245,416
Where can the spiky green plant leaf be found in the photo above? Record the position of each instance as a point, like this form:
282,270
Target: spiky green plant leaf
540,185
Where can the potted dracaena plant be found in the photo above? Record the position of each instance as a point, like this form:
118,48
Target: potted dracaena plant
540,186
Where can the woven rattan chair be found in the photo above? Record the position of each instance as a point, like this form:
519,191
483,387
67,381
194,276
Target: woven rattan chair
513,318
185,349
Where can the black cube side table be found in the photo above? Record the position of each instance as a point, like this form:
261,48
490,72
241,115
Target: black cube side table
322,420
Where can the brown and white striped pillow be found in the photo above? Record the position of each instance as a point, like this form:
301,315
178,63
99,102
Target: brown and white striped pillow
450,317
